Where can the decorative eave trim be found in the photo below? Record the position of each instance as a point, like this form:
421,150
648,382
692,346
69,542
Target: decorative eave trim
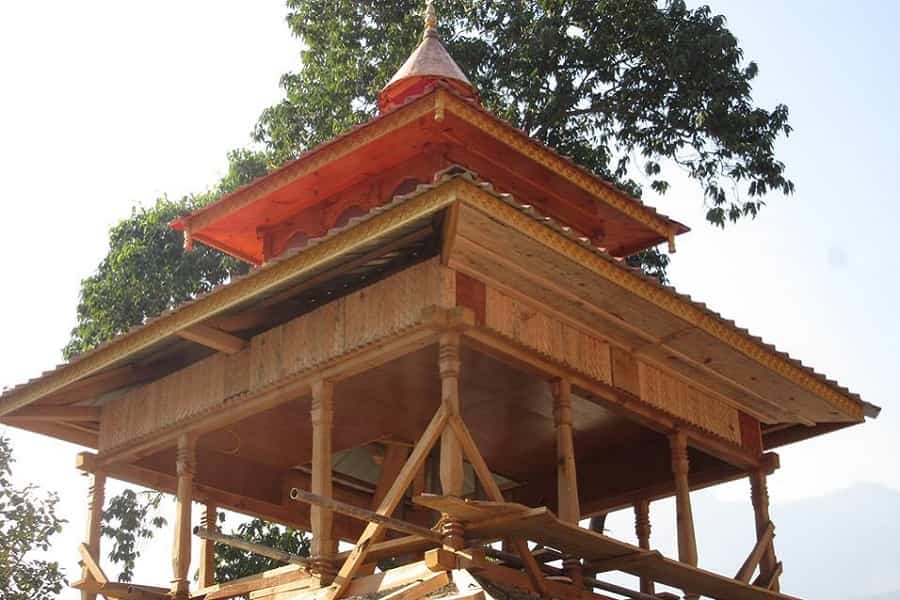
273,275
317,158
521,143
624,277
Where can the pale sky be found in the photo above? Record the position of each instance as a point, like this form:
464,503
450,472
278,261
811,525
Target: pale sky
106,104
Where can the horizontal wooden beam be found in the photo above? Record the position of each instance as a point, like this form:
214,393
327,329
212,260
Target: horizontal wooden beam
56,413
242,544
214,338
364,514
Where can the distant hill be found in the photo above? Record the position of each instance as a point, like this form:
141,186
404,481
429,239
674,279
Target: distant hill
843,546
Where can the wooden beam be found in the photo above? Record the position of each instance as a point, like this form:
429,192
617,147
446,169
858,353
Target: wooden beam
185,464
759,493
762,545
357,556
76,414
91,566
420,588
242,544
322,414
567,479
96,500
214,338
642,530
364,515
451,453
611,398
494,493
245,585
770,581
208,521
687,540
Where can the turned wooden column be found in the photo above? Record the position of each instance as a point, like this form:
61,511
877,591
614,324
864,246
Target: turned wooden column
451,467
208,521
642,529
324,546
96,500
687,541
185,465
759,495
568,506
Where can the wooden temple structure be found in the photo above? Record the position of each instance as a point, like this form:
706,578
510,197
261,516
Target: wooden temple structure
442,360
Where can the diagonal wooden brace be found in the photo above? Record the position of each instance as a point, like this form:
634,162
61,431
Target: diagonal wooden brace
470,449
393,497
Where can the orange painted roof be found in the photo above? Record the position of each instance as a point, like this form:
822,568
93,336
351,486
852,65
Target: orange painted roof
439,127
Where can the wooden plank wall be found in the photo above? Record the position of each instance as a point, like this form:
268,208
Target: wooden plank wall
539,331
685,402
374,313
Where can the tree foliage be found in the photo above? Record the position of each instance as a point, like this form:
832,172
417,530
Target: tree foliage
128,519
27,523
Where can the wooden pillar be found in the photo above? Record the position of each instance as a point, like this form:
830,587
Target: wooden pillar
209,521
324,546
96,500
185,464
642,529
759,494
566,477
687,541
451,466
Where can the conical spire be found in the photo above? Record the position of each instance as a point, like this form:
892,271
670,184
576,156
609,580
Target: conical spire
430,62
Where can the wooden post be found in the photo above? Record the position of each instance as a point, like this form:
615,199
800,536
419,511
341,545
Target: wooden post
759,494
208,521
687,541
642,529
185,464
324,546
568,506
451,451
96,500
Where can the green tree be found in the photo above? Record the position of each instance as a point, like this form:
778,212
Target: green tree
623,87
27,522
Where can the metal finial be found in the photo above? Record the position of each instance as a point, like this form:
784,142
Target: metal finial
430,17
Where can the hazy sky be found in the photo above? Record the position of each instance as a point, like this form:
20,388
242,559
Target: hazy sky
106,104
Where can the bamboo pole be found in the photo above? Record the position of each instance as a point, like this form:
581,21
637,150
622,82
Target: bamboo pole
364,514
242,544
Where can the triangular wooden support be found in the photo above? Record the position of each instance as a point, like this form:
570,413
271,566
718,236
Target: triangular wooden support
393,497
470,449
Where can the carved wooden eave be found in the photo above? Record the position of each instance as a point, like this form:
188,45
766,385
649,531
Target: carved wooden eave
442,124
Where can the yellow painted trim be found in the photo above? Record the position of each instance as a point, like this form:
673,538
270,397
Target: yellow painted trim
341,146
636,284
519,142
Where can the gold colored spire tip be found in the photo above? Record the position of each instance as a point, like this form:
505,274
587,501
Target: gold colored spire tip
430,17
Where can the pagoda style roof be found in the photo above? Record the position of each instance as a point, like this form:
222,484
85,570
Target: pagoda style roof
755,375
438,128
